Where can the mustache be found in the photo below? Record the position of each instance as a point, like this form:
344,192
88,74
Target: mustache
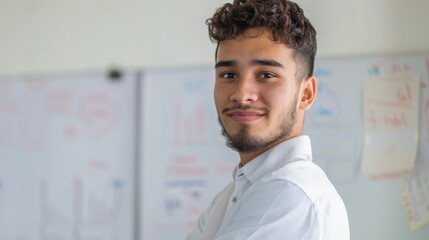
244,107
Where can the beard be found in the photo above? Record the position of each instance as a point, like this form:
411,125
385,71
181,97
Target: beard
244,142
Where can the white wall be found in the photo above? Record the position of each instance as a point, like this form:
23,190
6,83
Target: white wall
46,36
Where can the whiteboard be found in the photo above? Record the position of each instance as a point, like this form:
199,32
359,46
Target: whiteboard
183,151
67,157
334,124
184,160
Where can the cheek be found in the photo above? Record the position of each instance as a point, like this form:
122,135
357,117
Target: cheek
275,97
281,101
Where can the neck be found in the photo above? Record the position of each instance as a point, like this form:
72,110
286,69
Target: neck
249,156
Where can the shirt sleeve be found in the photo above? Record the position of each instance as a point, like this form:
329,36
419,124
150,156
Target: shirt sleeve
280,210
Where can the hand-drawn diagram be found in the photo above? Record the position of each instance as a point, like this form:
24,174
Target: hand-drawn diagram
88,215
100,113
184,196
326,110
189,124
185,165
390,110
184,201
390,66
52,215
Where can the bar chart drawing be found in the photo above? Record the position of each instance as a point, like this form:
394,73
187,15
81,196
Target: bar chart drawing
89,214
189,124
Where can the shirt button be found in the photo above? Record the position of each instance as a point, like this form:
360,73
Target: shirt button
234,199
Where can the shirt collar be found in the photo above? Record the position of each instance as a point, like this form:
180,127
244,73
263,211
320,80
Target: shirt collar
298,148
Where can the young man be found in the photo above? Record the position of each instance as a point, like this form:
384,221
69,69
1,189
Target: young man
264,84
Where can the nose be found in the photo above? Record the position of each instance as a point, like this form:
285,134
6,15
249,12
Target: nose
245,92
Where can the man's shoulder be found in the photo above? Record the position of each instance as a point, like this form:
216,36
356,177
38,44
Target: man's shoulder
308,177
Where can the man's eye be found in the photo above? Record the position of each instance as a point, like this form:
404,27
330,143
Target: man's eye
266,75
228,75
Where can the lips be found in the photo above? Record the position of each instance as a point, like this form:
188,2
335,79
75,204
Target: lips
245,116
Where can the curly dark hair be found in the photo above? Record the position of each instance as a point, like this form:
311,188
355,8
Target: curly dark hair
284,19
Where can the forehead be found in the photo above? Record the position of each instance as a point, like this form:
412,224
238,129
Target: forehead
253,43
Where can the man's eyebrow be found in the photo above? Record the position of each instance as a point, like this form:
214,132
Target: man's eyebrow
226,63
266,62
254,62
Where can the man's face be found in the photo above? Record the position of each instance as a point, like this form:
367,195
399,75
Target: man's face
256,92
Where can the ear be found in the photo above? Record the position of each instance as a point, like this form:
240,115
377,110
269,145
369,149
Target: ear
308,91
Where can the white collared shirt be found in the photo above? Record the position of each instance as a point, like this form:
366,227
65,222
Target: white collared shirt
281,194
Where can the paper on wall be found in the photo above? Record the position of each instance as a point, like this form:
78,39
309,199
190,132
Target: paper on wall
390,112
415,197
